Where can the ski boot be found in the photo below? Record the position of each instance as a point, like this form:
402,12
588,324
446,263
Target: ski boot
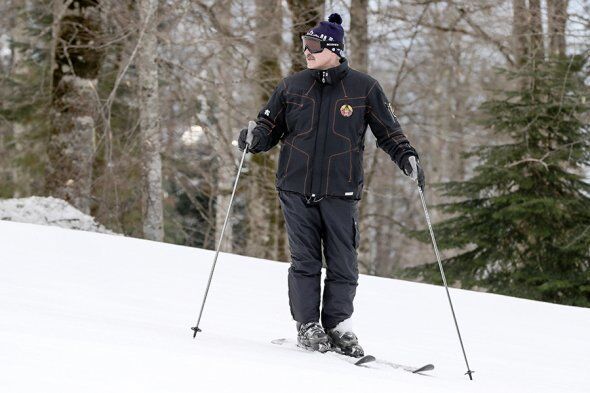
345,343
312,336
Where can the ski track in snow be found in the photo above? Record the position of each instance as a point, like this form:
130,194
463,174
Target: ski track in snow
88,312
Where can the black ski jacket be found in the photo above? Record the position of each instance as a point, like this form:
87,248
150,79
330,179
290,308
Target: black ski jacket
321,117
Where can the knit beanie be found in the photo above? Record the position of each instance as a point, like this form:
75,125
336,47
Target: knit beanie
331,31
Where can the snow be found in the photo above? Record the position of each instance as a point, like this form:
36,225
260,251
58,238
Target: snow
48,211
88,312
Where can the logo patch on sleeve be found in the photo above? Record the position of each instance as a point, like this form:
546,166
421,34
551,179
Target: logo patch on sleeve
391,110
346,110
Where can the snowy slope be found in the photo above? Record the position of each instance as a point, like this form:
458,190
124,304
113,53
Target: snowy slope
87,312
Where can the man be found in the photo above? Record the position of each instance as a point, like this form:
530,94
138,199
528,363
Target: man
321,115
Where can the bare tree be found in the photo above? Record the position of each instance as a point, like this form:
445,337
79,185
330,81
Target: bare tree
537,47
520,22
15,68
153,221
358,39
557,17
305,15
267,233
358,51
435,70
226,118
217,61
76,59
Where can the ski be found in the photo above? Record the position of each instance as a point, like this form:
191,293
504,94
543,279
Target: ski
355,361
413,370
367,359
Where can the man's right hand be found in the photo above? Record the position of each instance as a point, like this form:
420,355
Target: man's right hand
254,146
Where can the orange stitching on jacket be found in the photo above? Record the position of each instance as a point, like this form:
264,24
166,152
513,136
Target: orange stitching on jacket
306,163
311,128
269,131
349,142
389,136
380,121
334,122
349,147
350,170
342,83
278,115
303,133
369,92
312,85
294,103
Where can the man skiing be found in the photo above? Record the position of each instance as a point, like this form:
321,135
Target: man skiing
321,115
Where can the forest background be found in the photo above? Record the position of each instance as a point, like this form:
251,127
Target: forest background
128,110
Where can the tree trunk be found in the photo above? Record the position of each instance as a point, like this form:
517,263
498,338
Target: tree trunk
20,181
265,217
358,41
520,21
75,68
536,31
305,15
153,226
226,172
556,23
358,44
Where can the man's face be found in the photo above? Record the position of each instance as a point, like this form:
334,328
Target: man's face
321,61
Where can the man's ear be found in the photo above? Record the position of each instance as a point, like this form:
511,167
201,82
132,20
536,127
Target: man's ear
333,56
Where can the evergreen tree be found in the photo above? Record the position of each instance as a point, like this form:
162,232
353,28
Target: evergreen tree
521,223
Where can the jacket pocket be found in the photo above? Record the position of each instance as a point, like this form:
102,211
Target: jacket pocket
282,161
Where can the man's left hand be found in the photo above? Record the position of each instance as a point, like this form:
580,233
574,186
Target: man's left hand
412,168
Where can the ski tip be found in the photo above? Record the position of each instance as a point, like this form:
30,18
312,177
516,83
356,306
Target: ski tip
427,367
365,359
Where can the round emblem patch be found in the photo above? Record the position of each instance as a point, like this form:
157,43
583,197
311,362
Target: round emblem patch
346,110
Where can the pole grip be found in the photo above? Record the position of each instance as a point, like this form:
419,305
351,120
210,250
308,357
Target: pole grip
250,136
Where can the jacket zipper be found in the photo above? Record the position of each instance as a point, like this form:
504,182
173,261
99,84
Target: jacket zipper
325,136
318,127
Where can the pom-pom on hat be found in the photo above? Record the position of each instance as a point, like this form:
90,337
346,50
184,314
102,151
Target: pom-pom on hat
330,30
335,18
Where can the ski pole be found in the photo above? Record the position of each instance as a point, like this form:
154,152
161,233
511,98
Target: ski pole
249,137
442,273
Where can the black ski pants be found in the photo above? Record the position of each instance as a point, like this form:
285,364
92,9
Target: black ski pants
333,221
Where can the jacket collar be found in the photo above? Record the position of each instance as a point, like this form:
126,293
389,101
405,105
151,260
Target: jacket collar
331,75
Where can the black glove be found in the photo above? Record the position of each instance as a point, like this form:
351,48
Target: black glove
412,168
254,146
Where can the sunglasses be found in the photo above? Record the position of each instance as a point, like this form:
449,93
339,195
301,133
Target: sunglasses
315,45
